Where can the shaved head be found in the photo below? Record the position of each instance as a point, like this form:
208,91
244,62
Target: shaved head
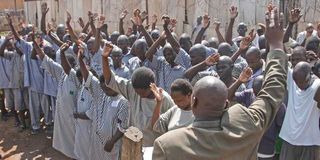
197,54
204,103
302,75
299,54
225,49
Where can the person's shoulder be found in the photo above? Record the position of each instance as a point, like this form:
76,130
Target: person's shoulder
170,138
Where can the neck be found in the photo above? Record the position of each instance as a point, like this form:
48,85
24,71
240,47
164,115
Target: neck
173,64
117,65
187,108
227,80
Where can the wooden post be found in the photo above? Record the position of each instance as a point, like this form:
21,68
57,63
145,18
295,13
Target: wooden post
132,144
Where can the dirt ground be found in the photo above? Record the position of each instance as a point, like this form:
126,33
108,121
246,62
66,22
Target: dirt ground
16,146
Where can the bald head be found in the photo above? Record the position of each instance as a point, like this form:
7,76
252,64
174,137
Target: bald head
257,84
208,105
299,54
185,42
302,75
213,42
197,54
225,49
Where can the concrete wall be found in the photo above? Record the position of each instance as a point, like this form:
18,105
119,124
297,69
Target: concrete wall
250,11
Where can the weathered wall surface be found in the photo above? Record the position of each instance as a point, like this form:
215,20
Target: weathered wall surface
185,11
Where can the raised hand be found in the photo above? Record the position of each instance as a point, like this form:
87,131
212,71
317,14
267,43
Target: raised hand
107,50
157,92
81,52
101,20
246,41
295,15
245,75
206,21
217,25
123,14
44,8
136,20
9,19
212,60
233,12
143,15
166,21
154,19
68,18
81,22
274,28
64,47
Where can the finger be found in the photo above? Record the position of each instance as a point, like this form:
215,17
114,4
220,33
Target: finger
281,19
276,17
267,17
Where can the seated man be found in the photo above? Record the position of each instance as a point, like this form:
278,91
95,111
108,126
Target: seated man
233,133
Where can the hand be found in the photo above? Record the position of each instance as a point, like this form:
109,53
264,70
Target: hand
217,24
166,21
91,16
80,52
262,26
233,12
64,47
101,20
212,60
206,21
9,19
108,146
123,14
274,28
246,41
245,75
107,50
295,15
154,19
136,20
44,8
143,15
68,18
173,22
157,92
81,22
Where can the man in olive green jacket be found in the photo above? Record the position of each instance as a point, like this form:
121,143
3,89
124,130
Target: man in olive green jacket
234,133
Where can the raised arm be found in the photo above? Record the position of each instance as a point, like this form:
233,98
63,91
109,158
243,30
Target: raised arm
217,29
105,62
243,78
153,49
14,32
159,98
36,49
294,17
244,45
55,38
97,41
268,101
83,67
205,26
137,20
154,22
73,35
44,11
64,62
174,43
122,17
233,15
210,61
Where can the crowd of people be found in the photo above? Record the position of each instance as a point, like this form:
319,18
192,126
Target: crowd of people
193,97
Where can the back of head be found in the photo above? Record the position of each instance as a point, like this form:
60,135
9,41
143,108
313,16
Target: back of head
253,52
142,78
225,49
205,104
257,84
198,49
302,75
213,42
262,42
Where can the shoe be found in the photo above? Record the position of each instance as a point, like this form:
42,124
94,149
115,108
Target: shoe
35,131
49,129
